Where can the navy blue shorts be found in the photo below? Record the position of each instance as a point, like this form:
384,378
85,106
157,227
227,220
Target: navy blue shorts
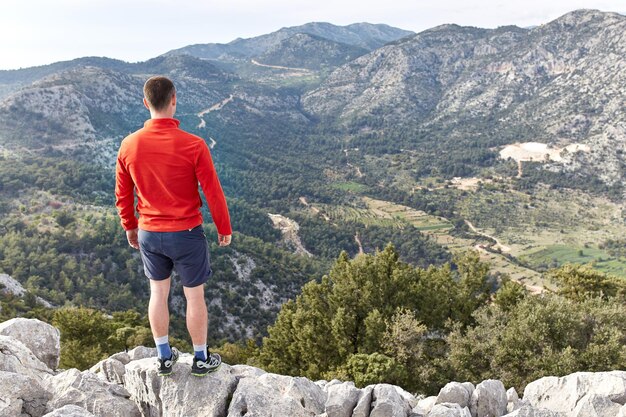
186,251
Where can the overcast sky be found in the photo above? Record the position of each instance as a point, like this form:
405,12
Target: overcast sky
36,32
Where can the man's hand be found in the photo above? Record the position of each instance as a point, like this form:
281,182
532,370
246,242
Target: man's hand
133,240
223,240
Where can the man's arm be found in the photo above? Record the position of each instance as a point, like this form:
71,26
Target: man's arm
210,183
125,202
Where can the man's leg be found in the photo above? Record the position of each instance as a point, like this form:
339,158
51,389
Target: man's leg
197,315
159,315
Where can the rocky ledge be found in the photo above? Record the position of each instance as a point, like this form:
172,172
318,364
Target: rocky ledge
126,385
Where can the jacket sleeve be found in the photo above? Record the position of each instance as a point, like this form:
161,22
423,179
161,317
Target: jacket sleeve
124,195
210,183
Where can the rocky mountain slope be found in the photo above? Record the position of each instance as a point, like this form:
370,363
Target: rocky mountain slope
361,35
126,385
304,50
558,83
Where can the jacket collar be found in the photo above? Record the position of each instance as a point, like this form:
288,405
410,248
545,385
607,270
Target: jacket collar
162,123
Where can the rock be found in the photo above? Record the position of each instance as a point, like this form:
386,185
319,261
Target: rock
246,371
488,399
386,402
622,412
180,394
142,352
512,399
16,357
342,398
41,338
562,394
86,390
113,370
409,398
454,392
277,395
364,405
528,411
123,357
596,406
425,405
449,410
22,395
69,410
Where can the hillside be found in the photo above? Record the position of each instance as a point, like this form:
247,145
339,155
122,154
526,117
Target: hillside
352,137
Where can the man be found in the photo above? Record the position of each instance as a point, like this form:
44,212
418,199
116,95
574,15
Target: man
163,165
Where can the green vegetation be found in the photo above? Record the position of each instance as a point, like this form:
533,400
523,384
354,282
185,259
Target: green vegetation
377,319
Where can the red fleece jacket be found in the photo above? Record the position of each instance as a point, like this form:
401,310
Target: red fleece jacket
164,165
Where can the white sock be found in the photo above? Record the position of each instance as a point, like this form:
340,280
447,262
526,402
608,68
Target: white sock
200,351
161,340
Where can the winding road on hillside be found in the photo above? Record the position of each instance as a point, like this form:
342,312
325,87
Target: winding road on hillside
257,63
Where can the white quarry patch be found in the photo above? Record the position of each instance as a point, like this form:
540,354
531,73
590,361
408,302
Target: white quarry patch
540,152
12,286
289,229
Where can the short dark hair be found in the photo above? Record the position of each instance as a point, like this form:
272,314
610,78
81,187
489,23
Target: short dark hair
159,91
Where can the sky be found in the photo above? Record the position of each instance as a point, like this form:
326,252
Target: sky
37,32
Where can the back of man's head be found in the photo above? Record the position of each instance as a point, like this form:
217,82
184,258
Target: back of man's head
159,91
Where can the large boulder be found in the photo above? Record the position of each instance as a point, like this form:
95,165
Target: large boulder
141,352
342,399
449,410
180,394
16,357
562,394
512,399
277,395
22,395
86,390
424,406
113,370
364,405
455,392
528,411
622,412
596,406
489,399
70,410
41,338
387,402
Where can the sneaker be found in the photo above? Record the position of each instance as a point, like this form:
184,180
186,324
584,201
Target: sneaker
201,368
165,366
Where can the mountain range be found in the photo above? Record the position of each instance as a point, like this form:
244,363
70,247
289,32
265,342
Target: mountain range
511,141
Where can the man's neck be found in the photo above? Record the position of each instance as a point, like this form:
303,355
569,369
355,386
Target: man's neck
161,116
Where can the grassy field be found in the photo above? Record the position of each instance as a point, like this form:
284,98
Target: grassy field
351,186
557,255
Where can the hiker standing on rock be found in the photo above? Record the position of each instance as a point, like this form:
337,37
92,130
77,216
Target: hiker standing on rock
163,165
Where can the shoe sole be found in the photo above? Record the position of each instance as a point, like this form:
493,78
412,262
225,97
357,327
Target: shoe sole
206,373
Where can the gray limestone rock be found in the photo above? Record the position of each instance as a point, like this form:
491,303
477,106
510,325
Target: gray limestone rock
69,410
113,370
274,395
513,401
342,398
180,394
16,357
562,394
41,338
489,399
364,405
528,411
387,402
449,410
86,390
21,395
141,352
425,405
454,392
596,406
